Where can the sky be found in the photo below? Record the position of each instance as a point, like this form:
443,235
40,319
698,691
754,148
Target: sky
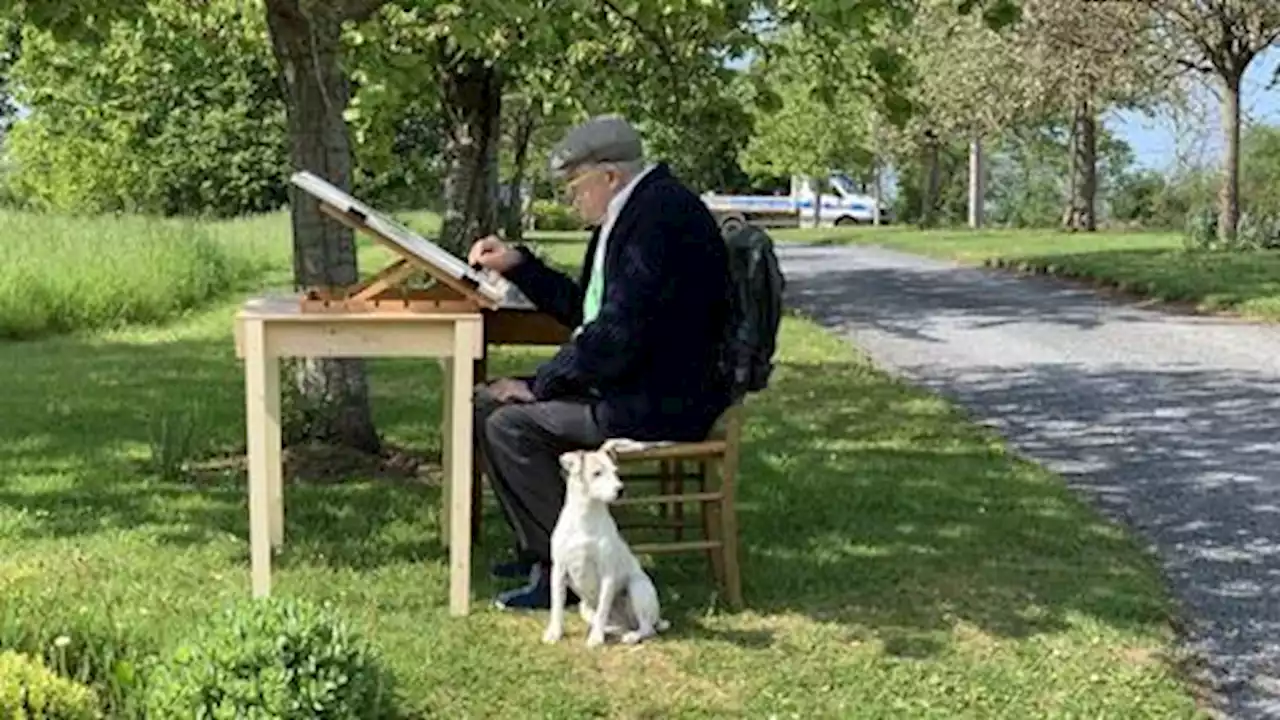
1155,141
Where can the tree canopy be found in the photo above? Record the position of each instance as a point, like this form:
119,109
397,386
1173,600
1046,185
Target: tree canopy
170,107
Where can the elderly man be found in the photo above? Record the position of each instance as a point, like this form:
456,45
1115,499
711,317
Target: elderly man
648,314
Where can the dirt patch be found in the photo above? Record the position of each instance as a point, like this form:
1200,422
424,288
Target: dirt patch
321,464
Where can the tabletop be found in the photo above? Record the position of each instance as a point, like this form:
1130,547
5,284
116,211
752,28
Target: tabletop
288,308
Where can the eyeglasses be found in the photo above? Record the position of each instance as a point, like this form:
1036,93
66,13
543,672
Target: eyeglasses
571,187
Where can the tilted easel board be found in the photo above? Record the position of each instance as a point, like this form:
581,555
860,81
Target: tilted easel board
460,287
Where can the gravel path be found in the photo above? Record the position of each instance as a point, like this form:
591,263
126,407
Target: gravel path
1171,423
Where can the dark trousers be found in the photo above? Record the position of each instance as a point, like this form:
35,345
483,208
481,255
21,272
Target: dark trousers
519,444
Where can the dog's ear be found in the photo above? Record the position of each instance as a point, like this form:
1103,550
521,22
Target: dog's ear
613,446
570,462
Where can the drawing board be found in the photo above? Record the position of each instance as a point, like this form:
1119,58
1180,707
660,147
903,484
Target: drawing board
497,289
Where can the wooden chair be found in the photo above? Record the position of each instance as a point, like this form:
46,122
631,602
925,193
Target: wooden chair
715,458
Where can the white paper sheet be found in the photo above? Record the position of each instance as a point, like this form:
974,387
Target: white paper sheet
490,284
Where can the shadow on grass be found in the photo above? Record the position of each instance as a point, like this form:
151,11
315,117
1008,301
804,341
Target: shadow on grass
862,503
80,426
1178,446
1215,280
1183,455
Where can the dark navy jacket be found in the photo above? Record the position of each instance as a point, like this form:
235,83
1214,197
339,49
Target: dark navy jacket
649,359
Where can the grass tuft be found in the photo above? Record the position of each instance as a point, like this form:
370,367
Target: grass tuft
61,274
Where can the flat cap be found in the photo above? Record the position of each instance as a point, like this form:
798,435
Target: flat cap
604,138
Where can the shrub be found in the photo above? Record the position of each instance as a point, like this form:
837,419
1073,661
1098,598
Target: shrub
1253,231
28,689
273,658
1201,231
1258,232
86,645
174,441
550,215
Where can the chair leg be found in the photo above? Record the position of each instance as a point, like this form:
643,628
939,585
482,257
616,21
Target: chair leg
729,531
711,527
664,486
677,482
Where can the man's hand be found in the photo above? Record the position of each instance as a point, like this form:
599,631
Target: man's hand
490,252
511,390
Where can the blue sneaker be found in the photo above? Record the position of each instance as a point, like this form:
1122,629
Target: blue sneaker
534,596
515,569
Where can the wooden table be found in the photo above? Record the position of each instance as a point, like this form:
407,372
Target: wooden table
452,319
267,329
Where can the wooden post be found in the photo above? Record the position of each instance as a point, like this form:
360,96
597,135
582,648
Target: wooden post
466,335
976,189
446,449
262,426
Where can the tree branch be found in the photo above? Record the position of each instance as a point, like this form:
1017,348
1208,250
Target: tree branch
1190,27
359,10
660,45
1188,64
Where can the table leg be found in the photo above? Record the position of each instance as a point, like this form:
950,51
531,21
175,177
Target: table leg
459,476
446,447
262,426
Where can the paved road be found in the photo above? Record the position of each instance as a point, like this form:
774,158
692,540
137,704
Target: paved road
1170,423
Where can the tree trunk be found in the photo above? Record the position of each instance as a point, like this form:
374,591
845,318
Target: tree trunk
817,202
976,189
334,393
877,192
515,200
1082,199
1229,195
1073,175
473,99
932,182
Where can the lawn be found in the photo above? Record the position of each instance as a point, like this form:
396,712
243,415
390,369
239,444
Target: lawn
1145,264
897,561
59,274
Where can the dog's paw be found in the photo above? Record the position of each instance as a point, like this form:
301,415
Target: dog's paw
632,638
552,635
595,638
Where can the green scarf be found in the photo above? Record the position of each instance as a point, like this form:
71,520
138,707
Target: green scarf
595,287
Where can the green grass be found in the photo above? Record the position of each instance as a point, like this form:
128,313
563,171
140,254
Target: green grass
61,274
1148,264
898,562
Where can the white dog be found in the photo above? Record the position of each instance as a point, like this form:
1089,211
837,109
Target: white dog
589,555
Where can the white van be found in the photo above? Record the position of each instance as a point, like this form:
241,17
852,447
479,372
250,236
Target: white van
841,204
